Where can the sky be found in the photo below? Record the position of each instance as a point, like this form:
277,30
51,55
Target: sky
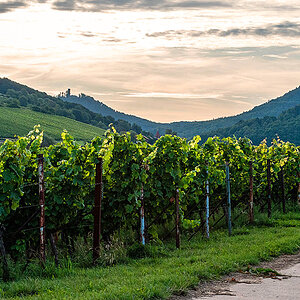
164,60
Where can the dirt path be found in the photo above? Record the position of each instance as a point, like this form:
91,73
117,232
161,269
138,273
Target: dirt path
259,283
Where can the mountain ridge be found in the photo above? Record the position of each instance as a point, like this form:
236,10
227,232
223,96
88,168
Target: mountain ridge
262,121
273,107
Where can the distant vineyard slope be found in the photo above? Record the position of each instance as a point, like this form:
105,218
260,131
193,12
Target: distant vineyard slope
19,121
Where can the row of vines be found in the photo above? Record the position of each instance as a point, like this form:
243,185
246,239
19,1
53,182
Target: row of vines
128,169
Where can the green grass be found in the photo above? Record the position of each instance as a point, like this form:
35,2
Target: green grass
19,121
155,278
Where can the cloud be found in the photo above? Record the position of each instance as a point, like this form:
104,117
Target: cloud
93,5
275,56
197,4
87,34
64,5
172,95
287,29
112,40
97,5
244,52
183,96
11,5
278,5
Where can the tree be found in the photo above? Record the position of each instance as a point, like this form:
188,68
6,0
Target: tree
170,131
136,128
14,103
23,100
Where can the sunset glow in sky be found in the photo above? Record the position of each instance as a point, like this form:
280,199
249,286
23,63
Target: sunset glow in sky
162,60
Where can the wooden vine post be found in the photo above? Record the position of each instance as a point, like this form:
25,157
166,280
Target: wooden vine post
298,189
97,210
42,209
251,208
269,188
54,250
5,268
177,219
283,190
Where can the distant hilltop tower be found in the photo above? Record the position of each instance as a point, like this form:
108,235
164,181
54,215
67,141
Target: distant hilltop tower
68,93
65,94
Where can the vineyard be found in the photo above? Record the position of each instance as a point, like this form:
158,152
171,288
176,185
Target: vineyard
69,190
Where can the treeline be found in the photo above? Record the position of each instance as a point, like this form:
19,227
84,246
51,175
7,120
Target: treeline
15,95
272,108
286,126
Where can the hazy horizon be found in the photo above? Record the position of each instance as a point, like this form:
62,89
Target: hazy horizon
160,60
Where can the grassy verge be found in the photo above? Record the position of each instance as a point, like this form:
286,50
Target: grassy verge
154,278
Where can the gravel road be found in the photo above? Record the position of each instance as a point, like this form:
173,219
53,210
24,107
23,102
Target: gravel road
240,285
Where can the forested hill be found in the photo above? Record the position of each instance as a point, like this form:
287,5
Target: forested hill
266,120
99,107
272,108
15,95
286,126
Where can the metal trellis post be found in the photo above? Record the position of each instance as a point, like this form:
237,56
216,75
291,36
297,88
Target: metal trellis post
207,205
142,216
228,198
42,209
251,211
